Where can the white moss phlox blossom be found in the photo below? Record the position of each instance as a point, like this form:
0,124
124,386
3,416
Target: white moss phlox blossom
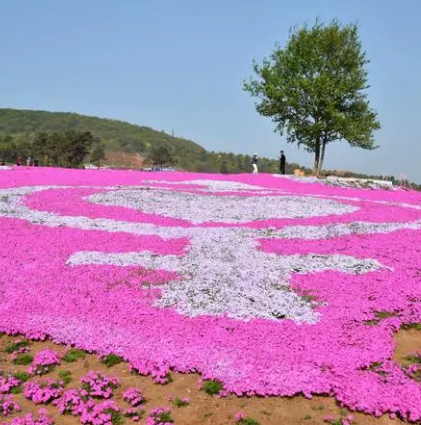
223,271
222,209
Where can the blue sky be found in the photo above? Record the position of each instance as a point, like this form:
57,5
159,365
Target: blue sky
179,65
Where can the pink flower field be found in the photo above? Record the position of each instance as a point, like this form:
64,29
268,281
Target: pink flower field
273,286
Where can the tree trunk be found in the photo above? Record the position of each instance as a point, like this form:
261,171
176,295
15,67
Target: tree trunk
316,160
322,158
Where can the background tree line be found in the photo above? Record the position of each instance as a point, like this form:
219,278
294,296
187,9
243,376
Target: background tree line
66,149
118,136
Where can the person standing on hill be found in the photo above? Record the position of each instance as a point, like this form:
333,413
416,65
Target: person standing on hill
282,161
255,162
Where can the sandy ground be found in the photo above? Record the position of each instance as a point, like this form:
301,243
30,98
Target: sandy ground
203,409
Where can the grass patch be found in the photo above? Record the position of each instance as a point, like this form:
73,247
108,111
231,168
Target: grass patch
116,417
179,402
13,346
212,387
381,315
165,418
372,322
65,376
336,422
413,358
386,314
409,326
112,360
22,376
307,418
23,359
73,355
16,390
247,421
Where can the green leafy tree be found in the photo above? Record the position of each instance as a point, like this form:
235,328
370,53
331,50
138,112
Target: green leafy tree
40,145
248,163
160,156
76,147
240,164
98,153
223,169
314,89
7,148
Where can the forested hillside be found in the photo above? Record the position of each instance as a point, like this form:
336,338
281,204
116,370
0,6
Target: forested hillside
117,136
123,138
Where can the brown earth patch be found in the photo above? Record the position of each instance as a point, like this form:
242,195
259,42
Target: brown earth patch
203,409
123,160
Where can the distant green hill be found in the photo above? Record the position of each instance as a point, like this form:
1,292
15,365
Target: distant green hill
117,136
126,142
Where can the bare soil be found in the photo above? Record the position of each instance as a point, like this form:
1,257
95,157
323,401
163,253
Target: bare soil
204,409
123,160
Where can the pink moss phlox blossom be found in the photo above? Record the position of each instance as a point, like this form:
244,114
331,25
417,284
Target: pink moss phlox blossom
8,405
43,391
97,385
8,382
105,308
99,413
239,416
134,397
71,402
159,416
44,361
135,413
29,419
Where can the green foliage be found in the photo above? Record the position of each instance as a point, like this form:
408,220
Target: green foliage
22,376
248,421
13,346
386,314
16,390
314,89
224,167
212,387
116,417
23,359
98,153
73,355
65,376
111,360
408,326
165,418
160,155
178,402
7,148
115,135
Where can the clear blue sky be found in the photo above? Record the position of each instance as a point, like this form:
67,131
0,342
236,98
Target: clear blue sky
179,64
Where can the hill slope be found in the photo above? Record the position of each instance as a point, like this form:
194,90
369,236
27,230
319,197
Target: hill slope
117,135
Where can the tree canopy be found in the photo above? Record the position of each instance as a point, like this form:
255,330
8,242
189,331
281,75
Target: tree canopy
314,89
67,149
160,156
